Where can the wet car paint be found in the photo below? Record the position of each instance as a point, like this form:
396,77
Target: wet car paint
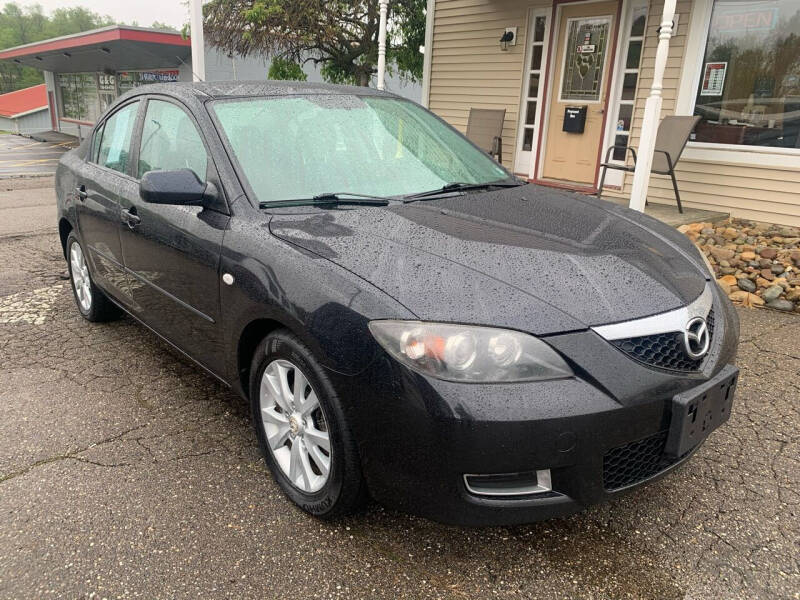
547,262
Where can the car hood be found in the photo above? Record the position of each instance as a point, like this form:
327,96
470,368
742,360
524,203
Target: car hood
528,258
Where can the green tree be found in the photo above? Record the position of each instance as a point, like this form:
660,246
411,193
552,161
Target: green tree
283,68
163,27
24,25
341,37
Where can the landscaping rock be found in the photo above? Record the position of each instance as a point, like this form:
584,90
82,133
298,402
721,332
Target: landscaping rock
746,285
754,263
746,298
784,305
748,255
773,292
721,253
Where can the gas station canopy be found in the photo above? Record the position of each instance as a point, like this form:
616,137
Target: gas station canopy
110,49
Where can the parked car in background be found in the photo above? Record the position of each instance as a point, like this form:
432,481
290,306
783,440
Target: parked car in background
406,319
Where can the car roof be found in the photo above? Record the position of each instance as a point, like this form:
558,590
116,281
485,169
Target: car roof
237,89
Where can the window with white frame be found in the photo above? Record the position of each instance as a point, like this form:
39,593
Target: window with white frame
534,82
749,87
630,78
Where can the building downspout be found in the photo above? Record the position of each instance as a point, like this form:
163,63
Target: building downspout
428,57
652,112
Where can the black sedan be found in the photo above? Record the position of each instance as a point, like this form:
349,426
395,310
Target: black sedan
407,320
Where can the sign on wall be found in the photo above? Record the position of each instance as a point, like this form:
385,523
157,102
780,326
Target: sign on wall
713,82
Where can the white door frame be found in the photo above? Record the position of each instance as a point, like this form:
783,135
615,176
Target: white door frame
524,160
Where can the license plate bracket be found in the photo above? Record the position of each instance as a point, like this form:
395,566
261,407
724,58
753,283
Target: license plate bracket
699,411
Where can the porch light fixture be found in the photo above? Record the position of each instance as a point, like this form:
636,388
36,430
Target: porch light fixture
38,57
67,54
506,39
106,50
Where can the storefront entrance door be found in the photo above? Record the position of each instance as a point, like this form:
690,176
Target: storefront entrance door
578,99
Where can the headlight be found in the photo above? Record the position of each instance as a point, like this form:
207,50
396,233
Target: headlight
467,353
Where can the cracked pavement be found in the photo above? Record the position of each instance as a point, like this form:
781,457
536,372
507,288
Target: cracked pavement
126,472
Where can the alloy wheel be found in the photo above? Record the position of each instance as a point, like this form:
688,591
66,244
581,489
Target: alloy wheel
80,277
295,426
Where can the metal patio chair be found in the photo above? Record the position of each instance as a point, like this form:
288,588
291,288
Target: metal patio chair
485,130
673,133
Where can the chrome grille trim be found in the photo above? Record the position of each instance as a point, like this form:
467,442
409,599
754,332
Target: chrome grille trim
674,320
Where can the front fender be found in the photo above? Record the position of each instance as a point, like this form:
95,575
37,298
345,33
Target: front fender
325,305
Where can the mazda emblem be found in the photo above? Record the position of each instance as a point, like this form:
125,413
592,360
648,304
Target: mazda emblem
696,339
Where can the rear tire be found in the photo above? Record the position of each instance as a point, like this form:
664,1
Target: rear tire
303,433
91,301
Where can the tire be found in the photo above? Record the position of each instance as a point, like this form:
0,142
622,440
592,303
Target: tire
92,303
342,490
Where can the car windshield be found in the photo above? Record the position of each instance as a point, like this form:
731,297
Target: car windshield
300,147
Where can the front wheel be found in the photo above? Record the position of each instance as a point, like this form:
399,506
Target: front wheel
92,302
302,430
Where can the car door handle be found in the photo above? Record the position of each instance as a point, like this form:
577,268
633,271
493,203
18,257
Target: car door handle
81,191
130,217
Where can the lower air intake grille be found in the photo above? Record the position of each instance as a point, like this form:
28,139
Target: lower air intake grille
663,350
635,462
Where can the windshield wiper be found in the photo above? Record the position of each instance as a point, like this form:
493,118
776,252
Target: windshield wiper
330,198
458,186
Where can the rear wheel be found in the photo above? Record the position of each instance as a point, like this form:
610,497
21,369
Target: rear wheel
92,302
302,429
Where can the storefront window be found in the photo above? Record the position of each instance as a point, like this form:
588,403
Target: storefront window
78,95
749,90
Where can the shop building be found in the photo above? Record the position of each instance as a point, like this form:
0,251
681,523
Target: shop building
736,63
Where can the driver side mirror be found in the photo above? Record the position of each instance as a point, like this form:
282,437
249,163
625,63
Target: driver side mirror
181,186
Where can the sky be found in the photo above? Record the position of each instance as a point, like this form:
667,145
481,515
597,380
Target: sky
171,12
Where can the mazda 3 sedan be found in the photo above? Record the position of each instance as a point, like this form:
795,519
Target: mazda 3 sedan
407,320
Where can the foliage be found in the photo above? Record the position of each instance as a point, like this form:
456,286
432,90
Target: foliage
339,36
283,68
163,27
24,25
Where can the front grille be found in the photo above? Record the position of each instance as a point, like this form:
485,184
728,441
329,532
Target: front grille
635,462
663,350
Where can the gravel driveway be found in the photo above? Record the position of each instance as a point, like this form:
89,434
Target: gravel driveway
126,472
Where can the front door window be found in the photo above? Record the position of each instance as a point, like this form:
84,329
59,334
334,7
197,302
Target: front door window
585,59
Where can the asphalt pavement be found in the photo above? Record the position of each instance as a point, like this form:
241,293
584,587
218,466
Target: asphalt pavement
125,472
21,155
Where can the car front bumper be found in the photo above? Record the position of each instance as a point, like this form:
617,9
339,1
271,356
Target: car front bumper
599,433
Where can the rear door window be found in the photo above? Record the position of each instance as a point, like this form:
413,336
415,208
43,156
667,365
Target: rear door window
115,144
170,141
